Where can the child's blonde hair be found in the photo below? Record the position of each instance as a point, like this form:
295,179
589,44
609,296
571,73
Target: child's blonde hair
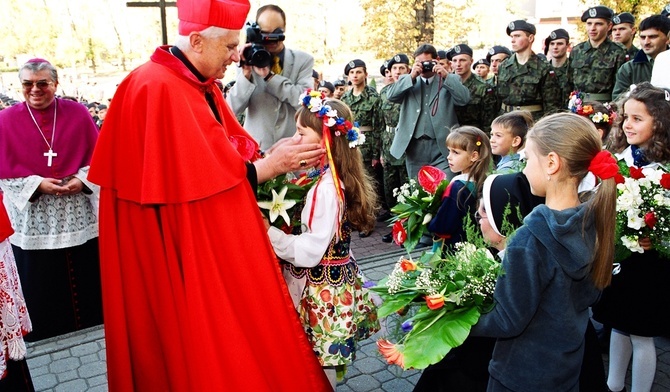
359,192
471,139
576,141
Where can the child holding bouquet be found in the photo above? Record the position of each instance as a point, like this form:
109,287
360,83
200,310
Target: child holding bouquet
631,305
555,264
323,277
469,155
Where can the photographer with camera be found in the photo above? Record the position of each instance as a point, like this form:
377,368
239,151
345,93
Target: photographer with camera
427,96
270,79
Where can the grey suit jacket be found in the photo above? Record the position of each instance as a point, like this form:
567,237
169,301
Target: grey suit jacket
407,92
270,106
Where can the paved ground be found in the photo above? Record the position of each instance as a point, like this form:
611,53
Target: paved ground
76,362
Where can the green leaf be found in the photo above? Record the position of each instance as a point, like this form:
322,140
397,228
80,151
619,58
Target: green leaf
392,305
429,346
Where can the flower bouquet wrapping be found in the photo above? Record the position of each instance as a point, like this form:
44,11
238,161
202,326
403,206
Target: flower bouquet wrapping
418,201
282,199
438,299
642,210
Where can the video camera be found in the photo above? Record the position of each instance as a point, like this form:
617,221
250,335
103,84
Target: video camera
428,65
256,54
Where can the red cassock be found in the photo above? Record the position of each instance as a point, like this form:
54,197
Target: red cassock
193,297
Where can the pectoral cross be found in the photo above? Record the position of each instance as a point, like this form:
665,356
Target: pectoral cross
50,155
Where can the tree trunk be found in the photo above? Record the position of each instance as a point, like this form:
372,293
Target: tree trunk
425,21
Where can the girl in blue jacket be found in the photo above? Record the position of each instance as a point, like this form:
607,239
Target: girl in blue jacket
556,264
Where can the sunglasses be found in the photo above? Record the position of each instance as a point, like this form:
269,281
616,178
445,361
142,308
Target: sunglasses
41,84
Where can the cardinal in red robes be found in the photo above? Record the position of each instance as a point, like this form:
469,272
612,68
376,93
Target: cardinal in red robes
193,296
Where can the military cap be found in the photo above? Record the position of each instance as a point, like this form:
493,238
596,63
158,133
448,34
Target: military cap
624,17
354,64
599,12
497,50
327,85
458,50
666,10
384,67
481,61
443,54
315,74
521,25
339,82
558,34
400,58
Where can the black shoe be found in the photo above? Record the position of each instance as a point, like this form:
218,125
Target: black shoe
364,234
388,237
384,217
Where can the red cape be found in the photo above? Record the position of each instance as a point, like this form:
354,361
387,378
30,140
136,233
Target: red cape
193,296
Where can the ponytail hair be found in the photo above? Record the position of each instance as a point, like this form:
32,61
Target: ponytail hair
576,141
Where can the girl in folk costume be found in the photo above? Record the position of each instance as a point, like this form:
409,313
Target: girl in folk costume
555,264
469,155
321,273
14,319
631,305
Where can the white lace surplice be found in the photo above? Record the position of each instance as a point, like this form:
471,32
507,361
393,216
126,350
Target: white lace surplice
14,319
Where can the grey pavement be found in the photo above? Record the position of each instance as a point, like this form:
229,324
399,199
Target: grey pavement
76,361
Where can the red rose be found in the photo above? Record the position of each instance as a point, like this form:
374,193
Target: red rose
430,178
650,219
399,232
665,181
636,173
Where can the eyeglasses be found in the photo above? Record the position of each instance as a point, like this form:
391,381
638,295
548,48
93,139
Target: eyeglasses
41,84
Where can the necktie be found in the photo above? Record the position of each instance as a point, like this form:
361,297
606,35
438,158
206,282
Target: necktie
276,68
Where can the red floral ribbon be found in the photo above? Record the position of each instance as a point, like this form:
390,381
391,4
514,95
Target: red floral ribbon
604,165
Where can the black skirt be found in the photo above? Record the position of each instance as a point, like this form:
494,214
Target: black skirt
17,378
61,288
638,297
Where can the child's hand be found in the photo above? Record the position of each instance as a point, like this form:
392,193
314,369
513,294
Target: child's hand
645,243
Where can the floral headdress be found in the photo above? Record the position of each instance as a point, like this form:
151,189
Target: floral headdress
576,105
315,102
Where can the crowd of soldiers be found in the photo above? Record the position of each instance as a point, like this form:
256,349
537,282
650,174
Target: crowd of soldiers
601,69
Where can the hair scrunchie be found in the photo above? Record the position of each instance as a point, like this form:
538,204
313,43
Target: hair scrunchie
604,165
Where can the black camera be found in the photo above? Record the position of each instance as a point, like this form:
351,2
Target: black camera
256,54
428,65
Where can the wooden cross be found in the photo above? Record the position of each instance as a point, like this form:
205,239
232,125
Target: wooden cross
162,4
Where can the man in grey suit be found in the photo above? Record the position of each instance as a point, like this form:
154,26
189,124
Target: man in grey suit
270,96
427,96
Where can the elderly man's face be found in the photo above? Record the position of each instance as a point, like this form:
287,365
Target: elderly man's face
218,53
39,89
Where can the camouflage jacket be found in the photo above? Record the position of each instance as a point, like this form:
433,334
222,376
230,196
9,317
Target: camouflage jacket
367,113
594,69
390,114
483,106
564,81
532,83
632,72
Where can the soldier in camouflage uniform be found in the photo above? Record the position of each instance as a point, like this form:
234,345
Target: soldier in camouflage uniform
364,103
483,106
525,82
654,40
596,61
623,32
495,56
395,173
557,45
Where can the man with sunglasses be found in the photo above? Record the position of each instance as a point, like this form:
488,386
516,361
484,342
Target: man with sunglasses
270,95
46,144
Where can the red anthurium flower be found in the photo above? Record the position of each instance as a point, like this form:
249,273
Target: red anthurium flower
399,232
636,173
407,265
430,178
650,219
391,353
665,181
435,301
